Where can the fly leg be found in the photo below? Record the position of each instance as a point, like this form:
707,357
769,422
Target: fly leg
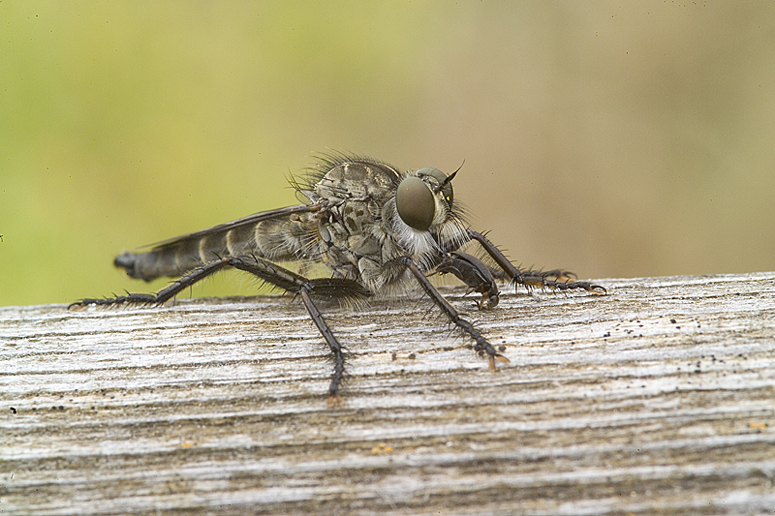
482,345
329,288
555,279
334,398
326,288
164,294
471,271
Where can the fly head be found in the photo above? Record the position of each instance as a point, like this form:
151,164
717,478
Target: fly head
425,199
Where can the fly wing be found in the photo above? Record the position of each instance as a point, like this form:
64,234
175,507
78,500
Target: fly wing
281,234
250,220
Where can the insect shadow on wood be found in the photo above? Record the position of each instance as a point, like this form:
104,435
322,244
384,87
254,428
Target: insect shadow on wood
379,231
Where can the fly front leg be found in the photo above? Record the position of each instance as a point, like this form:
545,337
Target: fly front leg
556,279
471,271
482,345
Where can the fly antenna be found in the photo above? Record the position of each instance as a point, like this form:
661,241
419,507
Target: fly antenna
449,177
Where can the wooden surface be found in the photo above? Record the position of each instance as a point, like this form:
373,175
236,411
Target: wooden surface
656,399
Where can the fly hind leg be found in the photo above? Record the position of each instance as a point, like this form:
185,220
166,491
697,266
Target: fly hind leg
325,288
164,294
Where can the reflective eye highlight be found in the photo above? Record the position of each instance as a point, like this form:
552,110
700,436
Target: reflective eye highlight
415,203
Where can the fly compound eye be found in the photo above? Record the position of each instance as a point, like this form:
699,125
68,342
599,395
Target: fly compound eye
415,203
443,179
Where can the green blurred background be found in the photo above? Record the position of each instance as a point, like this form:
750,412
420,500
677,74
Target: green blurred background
613,138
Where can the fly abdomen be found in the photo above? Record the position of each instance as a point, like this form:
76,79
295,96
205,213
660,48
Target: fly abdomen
286,237
179,257
155,264
167,261
127,262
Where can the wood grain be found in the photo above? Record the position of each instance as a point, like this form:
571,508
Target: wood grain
658,398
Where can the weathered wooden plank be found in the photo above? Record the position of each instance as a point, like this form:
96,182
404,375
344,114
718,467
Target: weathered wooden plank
656,399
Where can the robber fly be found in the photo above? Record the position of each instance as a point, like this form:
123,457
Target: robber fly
378,230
